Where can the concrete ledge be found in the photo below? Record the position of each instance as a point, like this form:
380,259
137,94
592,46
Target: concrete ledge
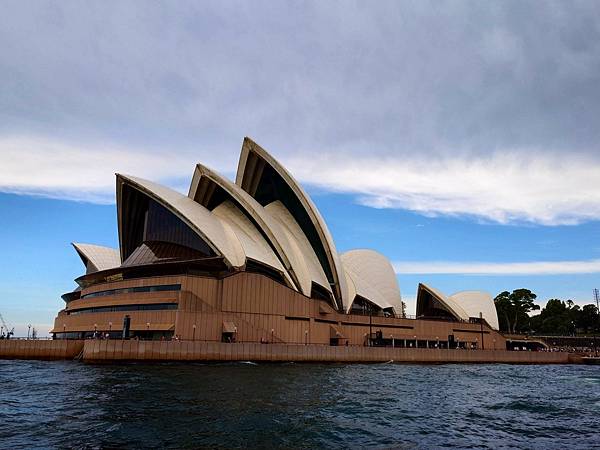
40,349
117,350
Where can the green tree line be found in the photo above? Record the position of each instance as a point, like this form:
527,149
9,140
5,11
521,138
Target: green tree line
557,317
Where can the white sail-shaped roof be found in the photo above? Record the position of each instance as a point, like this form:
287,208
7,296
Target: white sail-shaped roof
462,305
254,244
218,235
373,278
476,302
97,257
304,257
254,160
200,191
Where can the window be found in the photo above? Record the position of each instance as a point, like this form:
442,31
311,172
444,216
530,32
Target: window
119,308
160,288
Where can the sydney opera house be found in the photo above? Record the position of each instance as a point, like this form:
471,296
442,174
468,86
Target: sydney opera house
252,261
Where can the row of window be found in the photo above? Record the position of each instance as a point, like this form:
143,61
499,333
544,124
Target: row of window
160,288
119,308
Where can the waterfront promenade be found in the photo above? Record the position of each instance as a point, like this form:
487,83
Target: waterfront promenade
134,350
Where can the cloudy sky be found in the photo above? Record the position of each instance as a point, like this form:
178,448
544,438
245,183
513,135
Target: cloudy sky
460,139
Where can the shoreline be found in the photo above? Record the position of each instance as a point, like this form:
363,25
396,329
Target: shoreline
162,351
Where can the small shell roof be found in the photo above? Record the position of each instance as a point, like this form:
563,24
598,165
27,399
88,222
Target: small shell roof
99,257
373,278
466,304
475,302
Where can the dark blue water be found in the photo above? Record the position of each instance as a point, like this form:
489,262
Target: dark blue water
75,405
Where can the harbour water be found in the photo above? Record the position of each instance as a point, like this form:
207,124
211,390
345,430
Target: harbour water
74,405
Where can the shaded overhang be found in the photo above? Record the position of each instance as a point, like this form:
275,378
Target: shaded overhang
212,266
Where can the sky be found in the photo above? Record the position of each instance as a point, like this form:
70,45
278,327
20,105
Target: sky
460,139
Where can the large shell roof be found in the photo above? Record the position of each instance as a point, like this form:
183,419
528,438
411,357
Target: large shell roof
218,235
267,180
265,218
203,190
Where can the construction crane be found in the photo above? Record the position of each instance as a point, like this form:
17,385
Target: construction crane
5,332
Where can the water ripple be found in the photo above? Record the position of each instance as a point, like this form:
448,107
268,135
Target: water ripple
72,405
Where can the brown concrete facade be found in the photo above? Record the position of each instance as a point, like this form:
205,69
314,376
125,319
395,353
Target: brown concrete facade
95,350
258,309
40,349
119,350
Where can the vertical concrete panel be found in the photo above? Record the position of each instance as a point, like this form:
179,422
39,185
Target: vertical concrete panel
50,350
118,350
226,294
130,349
163,350
188,350
201,351
235,294
246,298
32,349
19,349
269,298
208,326
252,351
259,300
9,348
96,349
141,352
176,354
36,353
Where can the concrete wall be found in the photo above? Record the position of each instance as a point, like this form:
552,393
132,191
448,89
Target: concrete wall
39,349
97,350
260,308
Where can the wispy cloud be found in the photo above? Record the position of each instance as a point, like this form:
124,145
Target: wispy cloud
85,172
504,187
487,268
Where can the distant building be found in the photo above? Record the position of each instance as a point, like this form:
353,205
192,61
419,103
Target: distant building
251,261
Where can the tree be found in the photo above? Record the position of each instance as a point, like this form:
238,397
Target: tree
570,304
514,309
559,317
588,318
555,318
522,301
504,310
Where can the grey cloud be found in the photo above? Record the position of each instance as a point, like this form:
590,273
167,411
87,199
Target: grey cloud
392,79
